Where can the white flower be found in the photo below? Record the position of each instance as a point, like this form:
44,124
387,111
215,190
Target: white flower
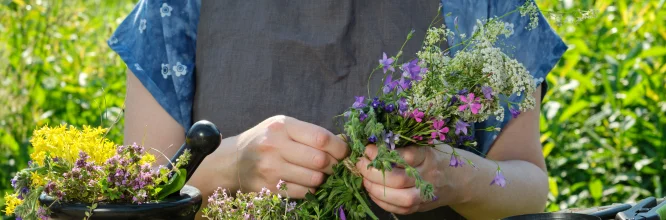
165,70
142,25
165,10
138,67
180,69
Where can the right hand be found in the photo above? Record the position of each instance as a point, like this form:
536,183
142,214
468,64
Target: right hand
284,148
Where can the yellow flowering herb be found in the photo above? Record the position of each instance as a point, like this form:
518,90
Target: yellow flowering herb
11,201
65,143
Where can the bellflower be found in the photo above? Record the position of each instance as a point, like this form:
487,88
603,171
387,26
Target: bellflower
412,70
359,103
376,103
404,84
389,108
514,112
402,105
487,92
362,116
499,179
461,127
342,213
389,84
440,130
391,139
372,139
471,103
456,161
386,63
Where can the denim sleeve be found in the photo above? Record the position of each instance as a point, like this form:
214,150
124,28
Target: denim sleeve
157,42
538,49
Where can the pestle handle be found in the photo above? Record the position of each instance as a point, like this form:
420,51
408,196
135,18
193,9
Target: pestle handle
202,139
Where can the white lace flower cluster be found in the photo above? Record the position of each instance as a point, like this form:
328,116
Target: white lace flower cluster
480,73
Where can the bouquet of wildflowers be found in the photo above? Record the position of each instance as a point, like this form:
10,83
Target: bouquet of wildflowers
82,166
431,99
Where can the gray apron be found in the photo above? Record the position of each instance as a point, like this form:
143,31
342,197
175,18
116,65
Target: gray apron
301,58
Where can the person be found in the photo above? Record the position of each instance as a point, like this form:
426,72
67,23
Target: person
272,75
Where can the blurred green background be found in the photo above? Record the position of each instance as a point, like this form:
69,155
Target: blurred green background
603,120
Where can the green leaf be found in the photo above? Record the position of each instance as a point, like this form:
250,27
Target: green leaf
310,198
596,188
654,52
572,110
552,184
176,183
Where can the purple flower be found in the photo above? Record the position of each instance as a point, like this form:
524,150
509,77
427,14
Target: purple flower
41,213
376,103
342,213
362,116
291,206
471,103
372,139
246,216
14,180
404,84
389,108
440,130
499,179
461,126
402,105
29,163
412,70
487,92
514,112
417,115
391,139
456,161
386,63
359,103
455,22
389,84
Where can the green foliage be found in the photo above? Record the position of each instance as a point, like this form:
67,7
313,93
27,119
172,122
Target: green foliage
603,121
56,67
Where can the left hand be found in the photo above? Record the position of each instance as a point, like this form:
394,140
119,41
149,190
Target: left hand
397,193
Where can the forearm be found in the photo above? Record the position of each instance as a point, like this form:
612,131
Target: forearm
525,192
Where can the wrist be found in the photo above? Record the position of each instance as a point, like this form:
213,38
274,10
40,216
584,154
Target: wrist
218,169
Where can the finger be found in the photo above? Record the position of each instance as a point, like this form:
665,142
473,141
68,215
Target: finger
296,191
398,197
396,178
317,137
371,151
393,208
308,157
413,155
301,175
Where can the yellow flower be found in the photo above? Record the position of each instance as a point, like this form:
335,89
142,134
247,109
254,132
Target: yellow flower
36,180
11,201
66,142
147,158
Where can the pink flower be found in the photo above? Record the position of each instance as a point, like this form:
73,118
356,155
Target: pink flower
440,130
418,116
471,102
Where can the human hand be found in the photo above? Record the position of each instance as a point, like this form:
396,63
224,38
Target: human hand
396,192
284,148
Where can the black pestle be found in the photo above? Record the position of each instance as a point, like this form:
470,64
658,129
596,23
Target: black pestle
202,139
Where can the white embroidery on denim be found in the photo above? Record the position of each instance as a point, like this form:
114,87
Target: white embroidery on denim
166,72
142,25
180,69
165,10
113,40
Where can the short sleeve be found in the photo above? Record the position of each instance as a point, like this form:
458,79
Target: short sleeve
538,49
157,42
